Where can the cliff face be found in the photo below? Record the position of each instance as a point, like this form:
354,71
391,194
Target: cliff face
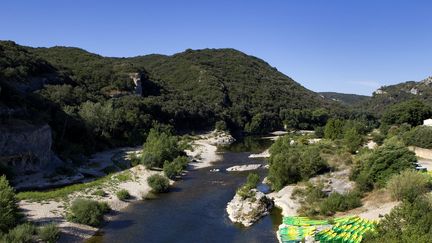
26,148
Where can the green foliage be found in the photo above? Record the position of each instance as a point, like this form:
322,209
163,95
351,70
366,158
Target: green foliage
409,185
22,233
100,193
412,112
9,216
49,233
316,202
123,195
337,202
245,190
304,118
378,166
378,138
408,222
334,129
221,126
263,123
158,148
420,136
158,183
62,192
176,167
352,139
293,163
87,212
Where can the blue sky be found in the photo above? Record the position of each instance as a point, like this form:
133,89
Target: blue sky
351,46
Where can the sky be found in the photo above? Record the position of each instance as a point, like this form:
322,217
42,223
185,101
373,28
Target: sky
350,46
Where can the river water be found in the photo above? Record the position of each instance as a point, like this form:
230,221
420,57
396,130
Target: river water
194,209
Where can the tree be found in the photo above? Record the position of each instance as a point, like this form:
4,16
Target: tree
352,139
412,112
158,148
9,216
333,129
381,164
292,163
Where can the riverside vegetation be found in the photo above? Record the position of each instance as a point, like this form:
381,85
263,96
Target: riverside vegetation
80,94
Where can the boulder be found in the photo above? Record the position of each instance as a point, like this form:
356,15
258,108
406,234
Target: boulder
248,210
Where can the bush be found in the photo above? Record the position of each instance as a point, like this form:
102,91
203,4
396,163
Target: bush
100,193
9,216
176,167
381,164
22,233
409,185
49,233
337,202
158,183
123,194
245,190
158,148
87,212
352,140
420,136
293,163
333,129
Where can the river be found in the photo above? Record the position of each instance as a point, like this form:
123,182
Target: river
194,209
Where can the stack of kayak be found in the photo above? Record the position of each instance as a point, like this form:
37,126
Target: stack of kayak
294,234
295,229
339,230
303,221
346,230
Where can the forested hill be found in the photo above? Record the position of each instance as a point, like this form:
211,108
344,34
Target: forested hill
346,99
83,94
386,96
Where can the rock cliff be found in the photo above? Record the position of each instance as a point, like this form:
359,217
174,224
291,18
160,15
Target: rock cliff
26,148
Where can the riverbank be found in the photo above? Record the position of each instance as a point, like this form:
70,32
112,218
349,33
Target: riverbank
43,208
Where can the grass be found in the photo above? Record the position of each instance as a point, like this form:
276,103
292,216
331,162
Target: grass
64,192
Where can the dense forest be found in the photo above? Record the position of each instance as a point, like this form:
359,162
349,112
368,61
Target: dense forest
80,94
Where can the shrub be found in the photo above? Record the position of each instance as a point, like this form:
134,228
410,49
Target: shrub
292,163
100,193
158,183
87,212
9,216
352,140
245,191
333,129
123,194
337,202
409,185
175,168
158,148
420,136
381,164
22,233
49,233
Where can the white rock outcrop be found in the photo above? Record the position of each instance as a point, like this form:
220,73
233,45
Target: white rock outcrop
247,211
244,167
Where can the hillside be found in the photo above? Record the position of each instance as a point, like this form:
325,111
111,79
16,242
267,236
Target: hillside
392,94
115,101
346,99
